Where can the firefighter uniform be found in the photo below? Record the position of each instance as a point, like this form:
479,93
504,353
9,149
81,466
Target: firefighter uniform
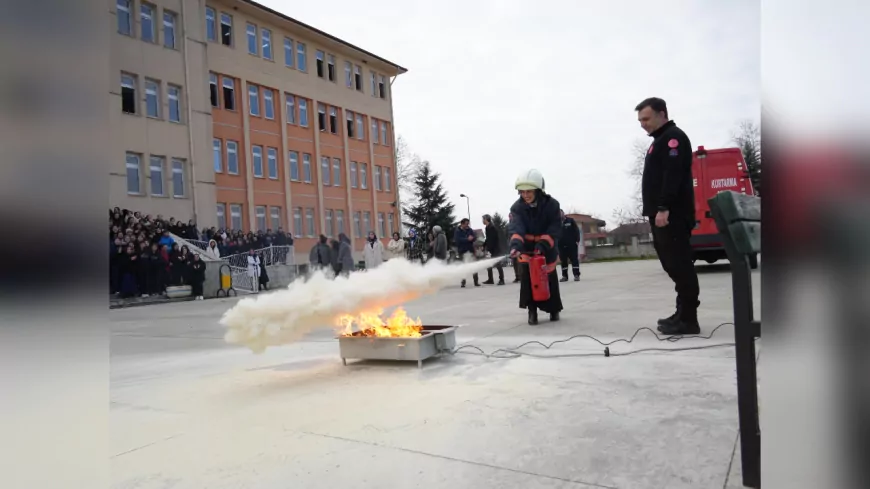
536,228
568,248
667,186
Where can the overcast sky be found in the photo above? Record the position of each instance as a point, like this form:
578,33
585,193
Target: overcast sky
498,86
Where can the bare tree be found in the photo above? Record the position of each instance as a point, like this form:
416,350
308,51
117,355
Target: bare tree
407,165
748,138
634,212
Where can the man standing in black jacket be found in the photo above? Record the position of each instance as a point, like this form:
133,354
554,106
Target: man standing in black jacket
569,247
669,204
493,246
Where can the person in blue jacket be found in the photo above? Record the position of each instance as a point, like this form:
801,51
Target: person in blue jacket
535,228
464,238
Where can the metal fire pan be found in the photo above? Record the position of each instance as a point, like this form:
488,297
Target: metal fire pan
434,340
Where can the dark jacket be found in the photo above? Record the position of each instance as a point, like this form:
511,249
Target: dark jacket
536,227
321,255
570,233
493,240
439,247
460,238
667,175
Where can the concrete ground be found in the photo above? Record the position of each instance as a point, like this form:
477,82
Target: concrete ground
189,411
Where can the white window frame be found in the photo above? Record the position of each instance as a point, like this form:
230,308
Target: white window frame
310,224
266,44
228,84
293,158
298,223
330,62
363,176
123,11
152,89
254,100
382,225
354,180
150,16
174,100
170,20
382,81
373,83
131,165
339,221
221,214
211,21
384,133
160,167
329,231
178,169
226,20
303,110
290,106
360,127
217,155
257,154
376,177
336,172
260,213
351,132
301,57
390,223
306,167
291,51
268,103
131,82
272,159
320,62
253,39
388,179
357,71
367,222
213,82
333,120
348,74
325,170
357,224
236,212
275,221
375,131
232,149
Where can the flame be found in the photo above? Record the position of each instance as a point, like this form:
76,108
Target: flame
399,325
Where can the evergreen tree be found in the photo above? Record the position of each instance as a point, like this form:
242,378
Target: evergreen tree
431,207
501,225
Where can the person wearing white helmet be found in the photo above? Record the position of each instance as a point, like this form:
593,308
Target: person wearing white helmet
535,228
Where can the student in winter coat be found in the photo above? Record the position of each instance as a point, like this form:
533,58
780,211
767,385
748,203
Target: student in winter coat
439,243
212,250
197,276
396,247
373,251
321,255
415,246
345,254
264,275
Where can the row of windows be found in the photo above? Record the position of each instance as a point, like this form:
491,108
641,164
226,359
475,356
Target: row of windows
153,99
149,30
226,159
262,103
157,176
260,42
304,221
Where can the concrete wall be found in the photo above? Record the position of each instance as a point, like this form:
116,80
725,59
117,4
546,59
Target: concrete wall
634,250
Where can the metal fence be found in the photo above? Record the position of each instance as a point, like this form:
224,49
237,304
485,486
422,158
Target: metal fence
270,256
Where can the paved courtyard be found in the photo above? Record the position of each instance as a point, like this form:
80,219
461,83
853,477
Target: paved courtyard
190,411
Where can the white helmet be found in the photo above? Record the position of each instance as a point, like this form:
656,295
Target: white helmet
530,180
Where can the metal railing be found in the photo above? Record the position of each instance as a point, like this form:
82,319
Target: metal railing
269,256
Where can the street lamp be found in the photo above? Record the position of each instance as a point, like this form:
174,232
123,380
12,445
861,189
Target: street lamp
468,204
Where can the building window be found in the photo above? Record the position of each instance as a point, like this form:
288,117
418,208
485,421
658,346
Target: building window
226,29
357,78
339,222
382,225
232,157
353,179
291,108
329,223
288,52
236,216
373,83
266,39
388,180
306,167
294,165
261,217
156,168
210,24
336,172
297,222
330,67
213,89
268,104
272,160
374,131
360,128
356,225
301,58
146,18
169,29
275,215
377,178
221,215
350,127
367,222
384,133
125,25
321,117
254,99
390,223
229,94
324,170
363,176
382,86
178,178
251,30
152,98
257,152
348,74
333,120
318,55
309,219
217,155
134,185
303,112
174,94
128,94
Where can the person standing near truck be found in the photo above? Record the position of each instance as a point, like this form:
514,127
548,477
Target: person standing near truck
669,204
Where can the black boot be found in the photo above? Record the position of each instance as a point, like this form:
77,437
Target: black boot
681,326
463,284
554,316
564,278
500,282
668,320
488,282
533,316
577,278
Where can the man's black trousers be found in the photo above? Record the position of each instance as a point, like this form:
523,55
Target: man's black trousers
675,254
500,272
569,253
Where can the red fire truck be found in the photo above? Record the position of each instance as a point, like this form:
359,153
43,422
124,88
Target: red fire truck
714,171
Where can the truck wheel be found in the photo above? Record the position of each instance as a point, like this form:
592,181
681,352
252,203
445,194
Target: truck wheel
753,261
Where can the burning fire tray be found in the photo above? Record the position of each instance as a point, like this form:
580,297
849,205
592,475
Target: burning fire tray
432,341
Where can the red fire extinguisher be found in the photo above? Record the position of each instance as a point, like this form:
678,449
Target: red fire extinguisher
539,278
